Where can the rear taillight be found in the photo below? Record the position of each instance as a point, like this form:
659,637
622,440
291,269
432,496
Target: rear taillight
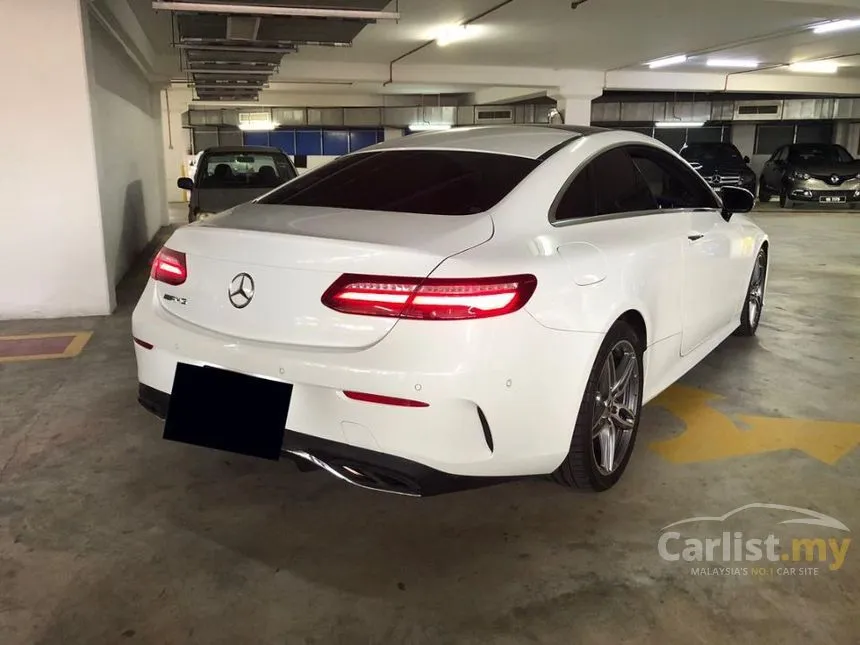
169,267
429,298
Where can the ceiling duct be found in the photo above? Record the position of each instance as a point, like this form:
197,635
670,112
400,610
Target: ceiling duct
242,28
243,41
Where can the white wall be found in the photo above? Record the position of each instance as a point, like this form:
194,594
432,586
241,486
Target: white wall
51,245
127,130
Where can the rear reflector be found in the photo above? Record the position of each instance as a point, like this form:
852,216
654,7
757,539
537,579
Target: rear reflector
429,298
169,267
143,343
385,400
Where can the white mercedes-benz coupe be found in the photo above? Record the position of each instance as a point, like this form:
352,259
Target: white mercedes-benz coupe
450,309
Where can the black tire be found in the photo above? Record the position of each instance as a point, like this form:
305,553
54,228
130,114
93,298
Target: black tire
764,195
580,468
750,318
784,201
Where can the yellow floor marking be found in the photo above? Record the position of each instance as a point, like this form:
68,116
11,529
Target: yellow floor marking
710,434
77,344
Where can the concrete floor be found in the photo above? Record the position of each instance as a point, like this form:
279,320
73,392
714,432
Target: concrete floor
109,534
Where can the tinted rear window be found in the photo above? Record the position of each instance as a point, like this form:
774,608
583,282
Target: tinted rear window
244,170
437,182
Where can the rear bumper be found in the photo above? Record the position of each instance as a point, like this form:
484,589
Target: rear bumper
360,467
503,393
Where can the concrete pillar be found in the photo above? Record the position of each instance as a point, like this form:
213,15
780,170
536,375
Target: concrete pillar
177,141
52,250
575,108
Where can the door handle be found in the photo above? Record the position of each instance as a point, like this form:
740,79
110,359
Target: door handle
695,237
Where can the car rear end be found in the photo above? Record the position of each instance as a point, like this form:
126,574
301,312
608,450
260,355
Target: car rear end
404,374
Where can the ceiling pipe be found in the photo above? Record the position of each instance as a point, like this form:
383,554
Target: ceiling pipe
286,49
417,49
264,10
241,72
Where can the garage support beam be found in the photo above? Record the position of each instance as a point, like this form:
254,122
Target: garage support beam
575,108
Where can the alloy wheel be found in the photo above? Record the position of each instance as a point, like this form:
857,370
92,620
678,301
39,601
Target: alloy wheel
616,406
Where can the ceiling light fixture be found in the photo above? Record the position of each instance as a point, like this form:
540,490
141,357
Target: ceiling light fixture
269,10
679,124
258,126
733,62
815,67
665,62
429,127
453,34
836,25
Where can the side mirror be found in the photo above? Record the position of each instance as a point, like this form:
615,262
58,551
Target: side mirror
736,200
185,183
746,159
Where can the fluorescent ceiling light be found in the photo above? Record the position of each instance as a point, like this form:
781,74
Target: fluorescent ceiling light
429,127
665,62
454,34
815,67
732,62
836,25
679,124
258,126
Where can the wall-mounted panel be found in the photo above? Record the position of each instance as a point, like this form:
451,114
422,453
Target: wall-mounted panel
285,140
309,142
325,116
335,142
289,116
362,117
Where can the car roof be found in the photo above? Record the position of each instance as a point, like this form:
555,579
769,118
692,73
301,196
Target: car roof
532,141
229,149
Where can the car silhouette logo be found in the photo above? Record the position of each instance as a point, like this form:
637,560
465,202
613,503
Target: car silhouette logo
241,290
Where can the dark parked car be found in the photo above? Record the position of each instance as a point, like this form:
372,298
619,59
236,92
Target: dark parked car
721,164
820,173
227,177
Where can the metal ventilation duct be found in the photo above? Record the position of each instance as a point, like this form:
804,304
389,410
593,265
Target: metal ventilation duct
230,55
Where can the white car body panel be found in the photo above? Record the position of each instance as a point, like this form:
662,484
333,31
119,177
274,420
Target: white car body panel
525,371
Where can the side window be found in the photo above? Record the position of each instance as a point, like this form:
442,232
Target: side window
672,184
609,184
578,200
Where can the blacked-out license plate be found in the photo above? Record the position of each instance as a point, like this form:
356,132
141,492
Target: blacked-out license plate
224,410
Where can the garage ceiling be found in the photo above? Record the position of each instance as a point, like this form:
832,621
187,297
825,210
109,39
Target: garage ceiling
598,35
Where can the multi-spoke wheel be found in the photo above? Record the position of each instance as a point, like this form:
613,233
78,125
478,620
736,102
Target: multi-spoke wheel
608,417
754,303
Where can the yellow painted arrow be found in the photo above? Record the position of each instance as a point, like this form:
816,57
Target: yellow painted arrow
710,434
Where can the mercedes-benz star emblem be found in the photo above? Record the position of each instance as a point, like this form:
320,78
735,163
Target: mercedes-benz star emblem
241,290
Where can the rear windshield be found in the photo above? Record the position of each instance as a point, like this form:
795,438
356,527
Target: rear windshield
434,182
244,170
818,153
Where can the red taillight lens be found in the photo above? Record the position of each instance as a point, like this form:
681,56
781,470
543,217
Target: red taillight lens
169,267
384,400
429,298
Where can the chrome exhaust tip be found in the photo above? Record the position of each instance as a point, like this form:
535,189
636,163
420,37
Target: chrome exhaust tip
358,475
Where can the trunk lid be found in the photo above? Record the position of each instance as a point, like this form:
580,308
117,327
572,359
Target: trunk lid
292,255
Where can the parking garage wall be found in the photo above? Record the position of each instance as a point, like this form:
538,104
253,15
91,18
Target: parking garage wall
127,131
